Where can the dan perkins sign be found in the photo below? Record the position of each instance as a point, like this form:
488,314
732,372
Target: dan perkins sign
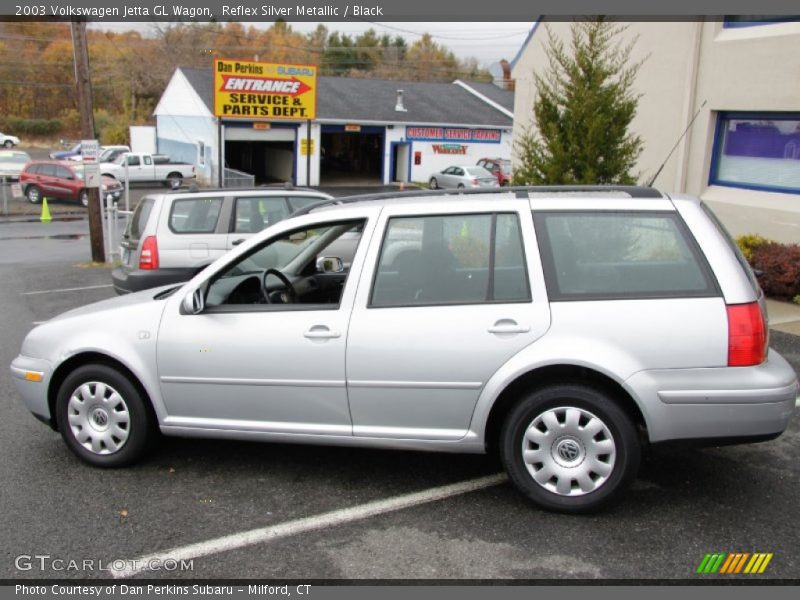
248,90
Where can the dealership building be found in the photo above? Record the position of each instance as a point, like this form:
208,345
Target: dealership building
365,132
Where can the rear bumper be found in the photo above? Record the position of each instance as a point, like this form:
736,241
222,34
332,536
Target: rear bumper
127,280
717,404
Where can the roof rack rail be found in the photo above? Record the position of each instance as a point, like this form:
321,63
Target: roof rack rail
194,188
634,191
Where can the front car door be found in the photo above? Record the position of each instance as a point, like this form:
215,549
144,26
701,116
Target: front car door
242,365
447,297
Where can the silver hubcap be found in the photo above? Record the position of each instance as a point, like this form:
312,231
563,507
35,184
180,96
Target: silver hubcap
569,451
33,195
98,417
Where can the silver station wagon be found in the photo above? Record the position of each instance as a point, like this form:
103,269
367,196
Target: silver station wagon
564,328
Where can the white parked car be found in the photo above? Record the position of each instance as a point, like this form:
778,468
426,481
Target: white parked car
9,141
12,162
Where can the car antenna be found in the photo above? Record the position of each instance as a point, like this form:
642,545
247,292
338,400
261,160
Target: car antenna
685,131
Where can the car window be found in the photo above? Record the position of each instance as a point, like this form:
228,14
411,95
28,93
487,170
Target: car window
139,218
33,169
620,255
133,161
195,215
254,214
47,170
452,259
458,171
294,254
148,160
64,173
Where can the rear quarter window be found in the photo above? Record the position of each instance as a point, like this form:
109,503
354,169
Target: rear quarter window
613,255
140,216
195,215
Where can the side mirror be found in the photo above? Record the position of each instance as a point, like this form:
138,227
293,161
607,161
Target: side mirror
329,264
194,303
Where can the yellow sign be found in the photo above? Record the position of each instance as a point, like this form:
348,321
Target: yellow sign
304,147
246,90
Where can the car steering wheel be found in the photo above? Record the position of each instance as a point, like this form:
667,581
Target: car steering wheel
291,292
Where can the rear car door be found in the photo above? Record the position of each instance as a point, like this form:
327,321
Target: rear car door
192,230
251,214
446,298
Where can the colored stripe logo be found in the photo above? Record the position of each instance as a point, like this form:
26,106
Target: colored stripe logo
734,563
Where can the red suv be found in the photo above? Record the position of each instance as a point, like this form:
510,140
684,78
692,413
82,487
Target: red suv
499,167
63,180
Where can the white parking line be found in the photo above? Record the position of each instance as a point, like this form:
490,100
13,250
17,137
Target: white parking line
289,528
75,289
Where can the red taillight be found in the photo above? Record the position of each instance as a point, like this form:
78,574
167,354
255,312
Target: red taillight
148,259
747,335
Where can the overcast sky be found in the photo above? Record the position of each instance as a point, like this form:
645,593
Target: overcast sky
488,42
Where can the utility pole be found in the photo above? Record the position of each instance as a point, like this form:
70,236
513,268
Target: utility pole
83,85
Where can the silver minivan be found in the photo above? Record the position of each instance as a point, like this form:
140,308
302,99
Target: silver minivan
566,331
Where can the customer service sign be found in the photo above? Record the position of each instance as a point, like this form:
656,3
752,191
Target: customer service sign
256,90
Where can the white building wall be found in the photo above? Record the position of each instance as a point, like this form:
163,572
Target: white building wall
433,162
302,160
748,69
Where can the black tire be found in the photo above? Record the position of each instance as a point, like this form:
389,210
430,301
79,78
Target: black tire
626,457
174,180
34,194
460,186
142,428
83,198
8,144
434,185
504,183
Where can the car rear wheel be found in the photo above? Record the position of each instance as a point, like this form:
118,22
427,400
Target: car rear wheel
433,183
174,180
460,186
103,417
570,448
33,194
84,197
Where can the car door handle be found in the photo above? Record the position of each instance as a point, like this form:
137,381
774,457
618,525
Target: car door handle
320,332
237,242
508,326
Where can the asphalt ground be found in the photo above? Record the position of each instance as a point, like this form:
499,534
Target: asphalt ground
683,505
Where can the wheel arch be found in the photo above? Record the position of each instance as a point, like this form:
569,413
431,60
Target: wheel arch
86,358
548,375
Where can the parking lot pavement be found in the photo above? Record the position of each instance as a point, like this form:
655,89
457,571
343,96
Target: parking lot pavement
684,504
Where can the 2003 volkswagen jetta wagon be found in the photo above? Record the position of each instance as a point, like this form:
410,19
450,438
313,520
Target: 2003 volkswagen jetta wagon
565,328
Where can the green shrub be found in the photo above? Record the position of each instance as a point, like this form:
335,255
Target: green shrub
750,242
35,127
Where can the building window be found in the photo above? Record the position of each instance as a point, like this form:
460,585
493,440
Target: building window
735,21
758,151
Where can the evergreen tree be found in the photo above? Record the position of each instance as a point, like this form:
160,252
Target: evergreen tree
583,109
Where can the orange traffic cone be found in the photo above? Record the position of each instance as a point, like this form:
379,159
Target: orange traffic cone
45,218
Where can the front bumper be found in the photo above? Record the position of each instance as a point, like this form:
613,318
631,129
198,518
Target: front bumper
127,280
717,403
24,372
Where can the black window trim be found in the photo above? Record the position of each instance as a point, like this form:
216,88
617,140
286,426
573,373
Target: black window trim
712,290
490,288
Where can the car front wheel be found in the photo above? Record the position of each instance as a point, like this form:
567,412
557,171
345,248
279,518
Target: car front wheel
8,144
570,448
433,183
84,197
103,417
33,194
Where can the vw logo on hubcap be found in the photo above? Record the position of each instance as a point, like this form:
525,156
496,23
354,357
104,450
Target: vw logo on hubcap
568,451
100,418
